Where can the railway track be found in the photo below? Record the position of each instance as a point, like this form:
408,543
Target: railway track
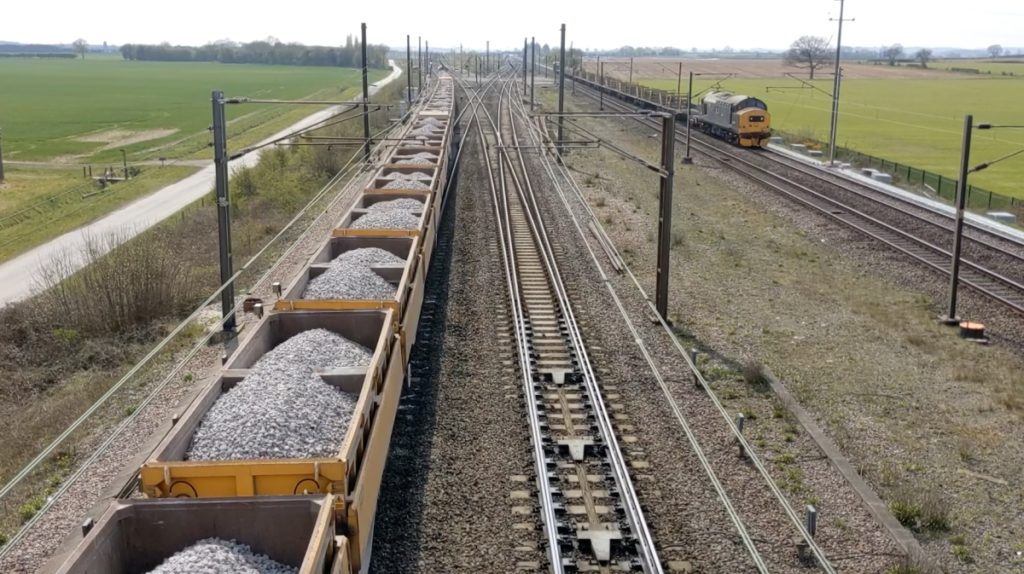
990,264
590,511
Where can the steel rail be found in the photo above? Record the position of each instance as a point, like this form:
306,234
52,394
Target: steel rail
970,266
755,460
545,495
691,436
899,234
905,205
649,556
829,178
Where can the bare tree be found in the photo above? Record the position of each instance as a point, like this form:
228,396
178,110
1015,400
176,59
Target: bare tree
924,55
996,50
893,53
81,47
809,52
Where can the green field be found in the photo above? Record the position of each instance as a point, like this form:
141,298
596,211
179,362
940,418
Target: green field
58,115
48,106
912,121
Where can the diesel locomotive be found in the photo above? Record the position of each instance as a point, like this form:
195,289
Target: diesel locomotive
738,119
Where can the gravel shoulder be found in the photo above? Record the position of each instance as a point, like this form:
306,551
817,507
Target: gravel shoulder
926,417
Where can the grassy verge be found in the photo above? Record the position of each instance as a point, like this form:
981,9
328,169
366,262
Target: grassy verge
50,203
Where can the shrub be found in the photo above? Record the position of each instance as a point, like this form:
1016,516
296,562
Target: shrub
921,509
754,373
124,284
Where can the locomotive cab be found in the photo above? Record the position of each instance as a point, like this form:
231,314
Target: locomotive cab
753,127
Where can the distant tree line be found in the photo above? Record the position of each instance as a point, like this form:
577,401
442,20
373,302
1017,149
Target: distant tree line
57,55
34,50
270,51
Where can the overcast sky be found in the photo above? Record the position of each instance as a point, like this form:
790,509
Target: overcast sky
769,24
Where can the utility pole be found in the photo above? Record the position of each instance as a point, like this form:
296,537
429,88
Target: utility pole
124,163
366,101
572,62
961,200
524,67
630,70
487,68
689,109
533,67
600,67
679,84
561,94
426,56
665,212
478,70
462,63
419,62
835,90
408,67
220,162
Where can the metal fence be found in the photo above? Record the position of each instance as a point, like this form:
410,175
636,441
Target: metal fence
944,187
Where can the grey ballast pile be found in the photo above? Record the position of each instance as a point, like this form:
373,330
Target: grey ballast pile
419,158
413,184
350,276
403,203
282,408
427,131
387,219
413,175
216,556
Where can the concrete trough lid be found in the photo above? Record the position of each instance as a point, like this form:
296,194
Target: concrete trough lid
1002,217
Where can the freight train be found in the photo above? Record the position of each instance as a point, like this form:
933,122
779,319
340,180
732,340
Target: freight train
738,119
312,514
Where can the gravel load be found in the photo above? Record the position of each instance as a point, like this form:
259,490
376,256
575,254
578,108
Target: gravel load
403,203
216,556
350,277
412,161
387,219
416,175
282,408
414,184
428,131
368,256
